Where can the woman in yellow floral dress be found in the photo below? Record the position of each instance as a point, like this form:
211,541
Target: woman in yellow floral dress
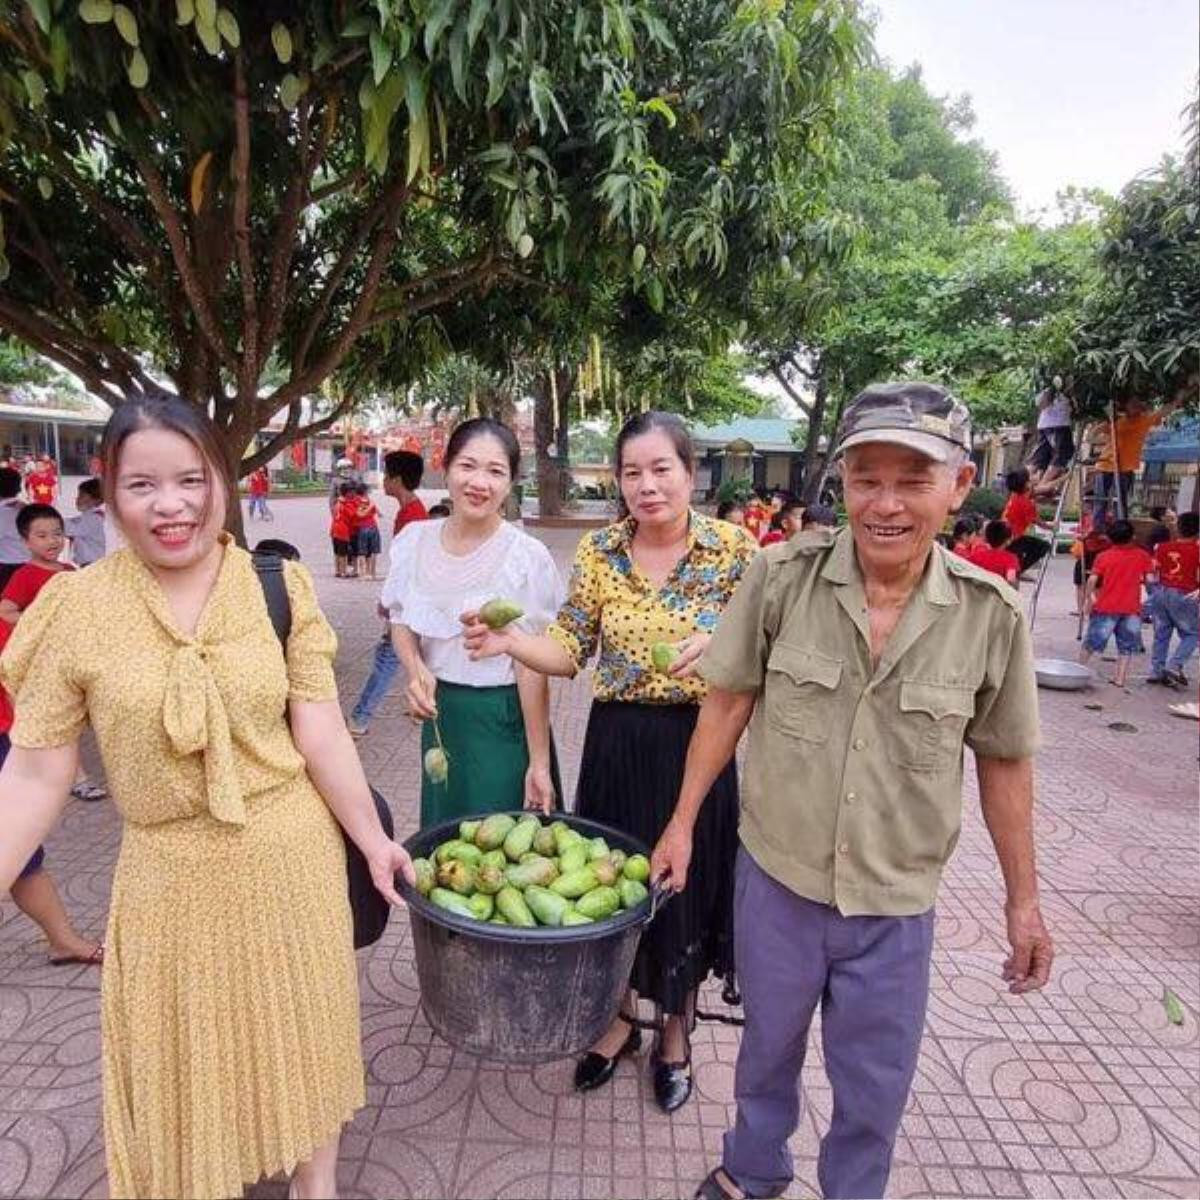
664,574
229,1000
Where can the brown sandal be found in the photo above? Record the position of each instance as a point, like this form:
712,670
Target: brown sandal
714,1189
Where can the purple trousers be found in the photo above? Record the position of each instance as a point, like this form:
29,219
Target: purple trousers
871,977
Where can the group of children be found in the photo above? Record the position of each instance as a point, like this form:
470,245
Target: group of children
354,530
777,519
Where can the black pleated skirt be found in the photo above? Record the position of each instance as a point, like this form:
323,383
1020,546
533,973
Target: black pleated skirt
633,759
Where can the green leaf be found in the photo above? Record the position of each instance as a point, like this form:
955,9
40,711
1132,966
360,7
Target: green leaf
126,24
418,119
381,55
496,69
458,59
281,40
185,12
289,91
138,69
478,15
657,104
437,23
323,54
35,87
41,14
1173,1006
45,186
358,27
206,11
227,25
96,12
60,57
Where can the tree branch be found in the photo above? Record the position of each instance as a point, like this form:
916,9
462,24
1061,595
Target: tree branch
247,376
478,272
283,439
192,289
792,393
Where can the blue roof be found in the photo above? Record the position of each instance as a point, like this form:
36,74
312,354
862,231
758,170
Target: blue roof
763,433
1181,443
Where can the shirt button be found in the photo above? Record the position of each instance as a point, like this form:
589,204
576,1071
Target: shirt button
859,744
844,848
851,797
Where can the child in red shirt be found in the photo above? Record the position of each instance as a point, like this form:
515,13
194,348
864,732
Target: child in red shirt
341,533
41,484
965,539
366,530
1114,598
1021,514
1175,607
992,555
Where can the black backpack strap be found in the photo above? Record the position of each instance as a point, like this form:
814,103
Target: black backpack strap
274,586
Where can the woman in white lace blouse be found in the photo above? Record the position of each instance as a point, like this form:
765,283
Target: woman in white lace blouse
492,717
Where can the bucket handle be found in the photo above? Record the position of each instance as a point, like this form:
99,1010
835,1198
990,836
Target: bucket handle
659,895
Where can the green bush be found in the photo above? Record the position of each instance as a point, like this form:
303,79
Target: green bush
984,502
735,490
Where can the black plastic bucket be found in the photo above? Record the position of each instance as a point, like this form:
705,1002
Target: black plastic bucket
521,995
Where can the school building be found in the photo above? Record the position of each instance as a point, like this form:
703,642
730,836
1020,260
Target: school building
71,436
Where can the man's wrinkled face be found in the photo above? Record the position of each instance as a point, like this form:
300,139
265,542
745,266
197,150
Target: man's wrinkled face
897,501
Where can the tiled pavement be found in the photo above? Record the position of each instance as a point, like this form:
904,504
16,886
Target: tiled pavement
1083,1090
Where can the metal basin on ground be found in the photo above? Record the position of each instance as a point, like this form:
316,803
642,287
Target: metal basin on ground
521,995
1062,675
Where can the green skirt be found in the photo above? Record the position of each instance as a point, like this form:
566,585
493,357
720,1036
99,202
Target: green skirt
483,733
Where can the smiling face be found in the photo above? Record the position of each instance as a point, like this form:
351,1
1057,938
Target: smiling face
45,539
655,484
897,500
479,478
169,502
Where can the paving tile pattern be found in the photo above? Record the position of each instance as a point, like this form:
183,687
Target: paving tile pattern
1084,1090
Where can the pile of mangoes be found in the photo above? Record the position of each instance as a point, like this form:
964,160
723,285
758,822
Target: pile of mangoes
529,874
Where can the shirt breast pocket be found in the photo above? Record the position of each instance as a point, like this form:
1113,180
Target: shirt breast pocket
929,733
800,687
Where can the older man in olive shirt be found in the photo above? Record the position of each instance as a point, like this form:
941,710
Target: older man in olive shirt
863,661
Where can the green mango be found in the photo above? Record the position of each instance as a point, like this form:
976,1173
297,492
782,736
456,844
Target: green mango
494,858
599,903
576,883
458,876
497,918
573,857
548,908
489,878
468,829
632,893
619,859
662,655
512,905
565,836
493,831
574,917
520,839
538,872
437,764
482,906
451,902
424,871
543,842
606,871
443,852
495,614
597,848
464,852
637,867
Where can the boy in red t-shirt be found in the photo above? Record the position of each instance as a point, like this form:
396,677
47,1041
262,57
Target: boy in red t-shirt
41,529
1114,599
965,539
366,530
402,472
1021,514
992,555
1175,607
341,533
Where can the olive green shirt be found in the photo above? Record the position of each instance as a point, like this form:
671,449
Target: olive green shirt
852,793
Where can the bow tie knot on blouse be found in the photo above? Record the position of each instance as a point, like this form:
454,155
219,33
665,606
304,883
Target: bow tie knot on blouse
196,722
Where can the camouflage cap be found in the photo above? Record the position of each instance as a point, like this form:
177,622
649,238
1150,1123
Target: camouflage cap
922,416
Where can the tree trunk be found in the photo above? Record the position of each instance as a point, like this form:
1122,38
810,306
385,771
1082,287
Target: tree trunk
812,442
552,472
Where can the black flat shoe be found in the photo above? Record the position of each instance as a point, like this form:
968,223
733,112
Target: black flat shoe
594,1070
672,1084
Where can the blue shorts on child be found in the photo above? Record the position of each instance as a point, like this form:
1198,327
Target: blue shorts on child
1126,626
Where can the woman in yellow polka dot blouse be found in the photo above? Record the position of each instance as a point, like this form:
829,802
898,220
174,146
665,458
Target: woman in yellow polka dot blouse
664,574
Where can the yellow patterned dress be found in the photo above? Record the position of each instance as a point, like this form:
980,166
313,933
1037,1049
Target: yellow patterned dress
229,1001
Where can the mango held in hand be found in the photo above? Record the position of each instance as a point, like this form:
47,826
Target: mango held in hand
495,614
491,833
437,765
662,655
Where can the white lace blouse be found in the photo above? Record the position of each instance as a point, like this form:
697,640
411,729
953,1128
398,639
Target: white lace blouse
428,589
